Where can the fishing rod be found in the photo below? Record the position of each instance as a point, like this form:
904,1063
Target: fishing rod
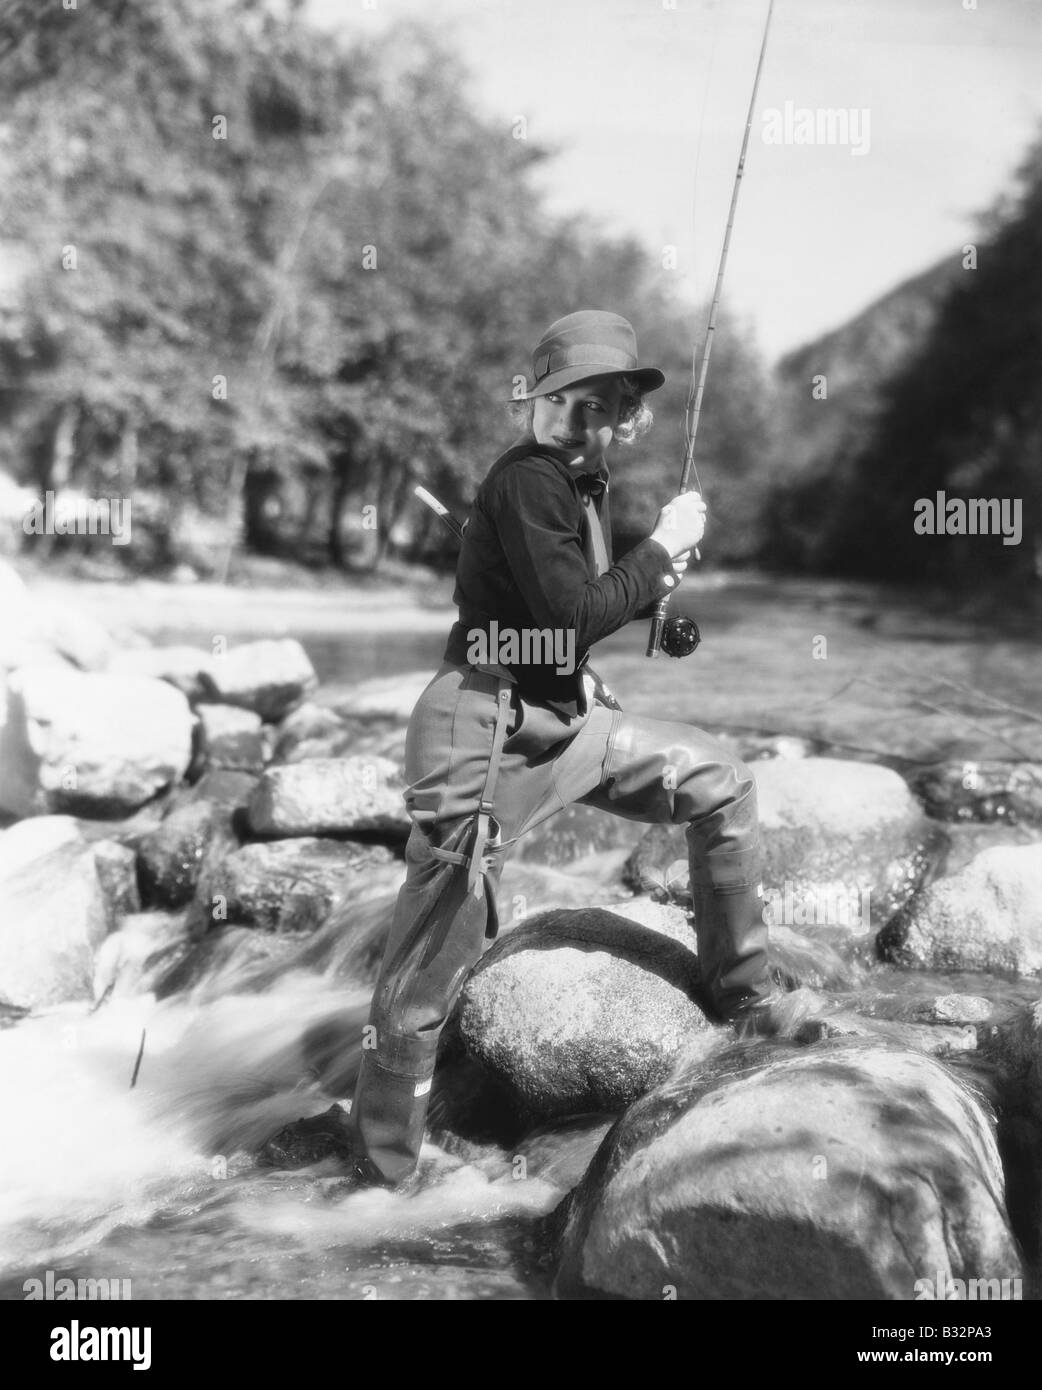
679,636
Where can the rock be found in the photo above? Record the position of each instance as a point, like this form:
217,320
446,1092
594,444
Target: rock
307,724
180,666
324,734
575,833
935,1008
851,1170
91,744
310,1141
292,885
967,839
986,917
330,795
171,858
231,737
270,677
578,1011
55,913
845,845
935,1040
983,791
131,960
116,867
228,789
390,695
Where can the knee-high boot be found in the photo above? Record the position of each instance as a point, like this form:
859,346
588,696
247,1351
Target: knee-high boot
730,927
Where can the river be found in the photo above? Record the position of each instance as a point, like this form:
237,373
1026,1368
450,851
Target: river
154,1184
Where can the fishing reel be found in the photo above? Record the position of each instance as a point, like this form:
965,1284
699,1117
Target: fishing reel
680,636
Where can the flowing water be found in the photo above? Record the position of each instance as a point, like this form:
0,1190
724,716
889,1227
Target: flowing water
156,1183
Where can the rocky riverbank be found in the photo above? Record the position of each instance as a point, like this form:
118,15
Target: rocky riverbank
182,823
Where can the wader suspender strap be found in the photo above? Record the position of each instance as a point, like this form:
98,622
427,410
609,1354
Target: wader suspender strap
478,860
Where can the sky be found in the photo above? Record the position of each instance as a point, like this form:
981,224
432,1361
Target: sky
644,103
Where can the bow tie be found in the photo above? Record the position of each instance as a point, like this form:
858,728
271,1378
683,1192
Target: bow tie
590,484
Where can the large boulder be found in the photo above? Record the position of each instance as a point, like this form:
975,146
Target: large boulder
90,743
845,845
582,1010
330,795
270,677
988,916
293,885
56,912
851,1170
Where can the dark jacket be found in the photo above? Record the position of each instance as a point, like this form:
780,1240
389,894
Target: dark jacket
527,561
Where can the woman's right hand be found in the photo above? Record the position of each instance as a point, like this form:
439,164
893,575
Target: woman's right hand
681,524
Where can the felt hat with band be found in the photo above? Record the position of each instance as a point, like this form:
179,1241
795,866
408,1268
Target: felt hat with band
591,342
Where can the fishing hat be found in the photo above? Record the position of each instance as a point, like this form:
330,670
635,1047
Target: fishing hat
590,342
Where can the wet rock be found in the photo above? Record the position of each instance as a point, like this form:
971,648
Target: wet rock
55,913
180,666
310,1141
845,845
131,960
935,1040
981,791
270,677
846,1171
330,795
232,737
291,885
170,859
986,917
575,833
90,744
936,1008
116,867
580,1010
967,839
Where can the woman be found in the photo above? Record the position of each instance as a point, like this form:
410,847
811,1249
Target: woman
511,729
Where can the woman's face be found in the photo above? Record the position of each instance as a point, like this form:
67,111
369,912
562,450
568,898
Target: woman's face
580,419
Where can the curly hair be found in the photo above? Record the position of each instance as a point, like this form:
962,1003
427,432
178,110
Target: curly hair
635,417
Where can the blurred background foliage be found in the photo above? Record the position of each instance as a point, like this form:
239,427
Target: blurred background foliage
364,262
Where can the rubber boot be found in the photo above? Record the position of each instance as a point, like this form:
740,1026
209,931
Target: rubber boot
390,1107
730,928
